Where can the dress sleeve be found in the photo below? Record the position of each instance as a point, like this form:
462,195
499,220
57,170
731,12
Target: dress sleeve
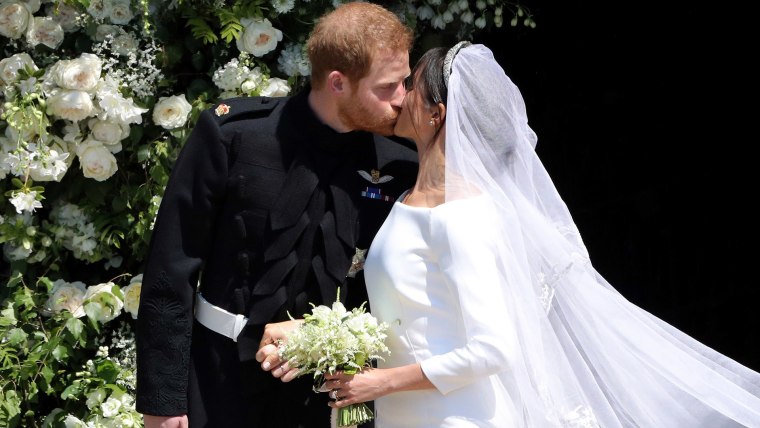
179,245
467,260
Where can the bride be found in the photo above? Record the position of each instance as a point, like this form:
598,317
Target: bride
497,316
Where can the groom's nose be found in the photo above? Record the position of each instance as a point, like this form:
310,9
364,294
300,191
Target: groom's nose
398,96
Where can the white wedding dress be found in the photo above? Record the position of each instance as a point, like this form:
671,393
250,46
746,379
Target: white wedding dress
440,320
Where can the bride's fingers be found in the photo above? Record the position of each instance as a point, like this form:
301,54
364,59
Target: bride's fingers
290,375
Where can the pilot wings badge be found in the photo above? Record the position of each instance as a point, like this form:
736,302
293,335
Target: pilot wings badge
375,177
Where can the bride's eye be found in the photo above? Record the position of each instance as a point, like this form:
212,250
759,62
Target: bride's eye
409,83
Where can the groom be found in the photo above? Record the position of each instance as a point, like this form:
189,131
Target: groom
271,204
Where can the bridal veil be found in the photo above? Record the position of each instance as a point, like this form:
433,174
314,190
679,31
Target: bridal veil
587,357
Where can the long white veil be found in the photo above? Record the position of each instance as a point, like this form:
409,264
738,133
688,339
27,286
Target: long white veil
587,357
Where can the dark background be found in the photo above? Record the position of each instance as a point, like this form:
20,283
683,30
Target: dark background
641,111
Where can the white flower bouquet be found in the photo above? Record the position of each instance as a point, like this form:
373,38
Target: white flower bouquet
332,339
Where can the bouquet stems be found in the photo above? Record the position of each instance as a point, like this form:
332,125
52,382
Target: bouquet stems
354,414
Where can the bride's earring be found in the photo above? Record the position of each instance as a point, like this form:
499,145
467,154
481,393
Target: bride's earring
431,122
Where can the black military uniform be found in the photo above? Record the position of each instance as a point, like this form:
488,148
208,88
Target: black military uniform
269,207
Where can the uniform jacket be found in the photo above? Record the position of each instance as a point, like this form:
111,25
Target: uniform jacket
266,210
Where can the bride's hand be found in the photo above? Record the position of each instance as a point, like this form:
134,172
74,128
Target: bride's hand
367,385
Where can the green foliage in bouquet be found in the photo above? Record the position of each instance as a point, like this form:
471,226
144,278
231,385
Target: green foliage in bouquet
97,98
332,339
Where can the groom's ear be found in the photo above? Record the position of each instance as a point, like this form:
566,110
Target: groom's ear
337,82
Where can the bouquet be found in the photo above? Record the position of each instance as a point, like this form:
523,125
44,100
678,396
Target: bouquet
332,339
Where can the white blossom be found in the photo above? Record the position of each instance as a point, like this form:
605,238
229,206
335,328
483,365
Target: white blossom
44,30
81,74
25,201
259,37
68,16
70,105
293,61
99,9
275,87
101,304
425,13
132,295
283,6
114,106
15,17
171,112
120,12
96,160
67,296
10,66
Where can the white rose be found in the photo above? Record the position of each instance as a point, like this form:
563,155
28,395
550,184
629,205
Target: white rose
10,66
96,160
275,87
121,13
70,105
248,86
81,74
14,19
67,296
101,304
95,398
72,421
44,30
132,295
108,132
171,112
110,407
33,5
67,16
99,9
124,44
104,30
259,37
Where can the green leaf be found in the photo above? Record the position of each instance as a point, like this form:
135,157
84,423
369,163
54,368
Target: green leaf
47,374
75,326
8,315
10,408
107,371
60,353
143,153
72,391
16,336
15,279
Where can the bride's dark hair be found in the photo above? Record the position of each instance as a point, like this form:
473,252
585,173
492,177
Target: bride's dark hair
428,76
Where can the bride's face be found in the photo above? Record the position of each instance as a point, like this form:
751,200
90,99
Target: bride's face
414,120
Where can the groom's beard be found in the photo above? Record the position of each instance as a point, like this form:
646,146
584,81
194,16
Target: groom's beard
357,116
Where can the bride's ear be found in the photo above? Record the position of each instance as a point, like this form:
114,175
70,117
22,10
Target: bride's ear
440,112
